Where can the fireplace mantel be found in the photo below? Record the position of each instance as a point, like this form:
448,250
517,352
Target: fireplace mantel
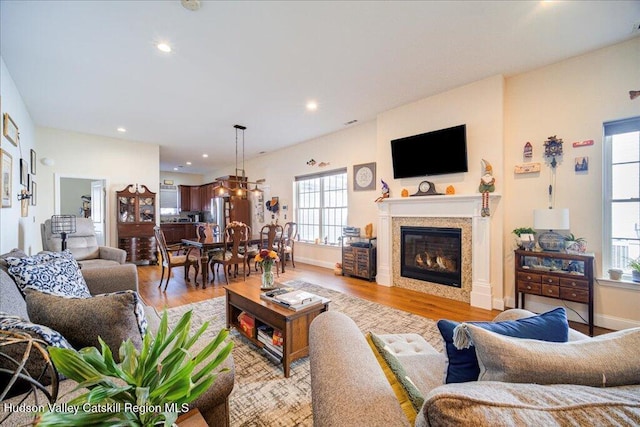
461,206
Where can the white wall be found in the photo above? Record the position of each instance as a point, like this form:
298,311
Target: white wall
16,231
119,162
570,99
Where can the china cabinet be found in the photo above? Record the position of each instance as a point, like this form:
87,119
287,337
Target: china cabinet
136,219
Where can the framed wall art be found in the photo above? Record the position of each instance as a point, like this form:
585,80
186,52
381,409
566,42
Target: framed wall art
10,129
6,165
34,193
364,177
24,172
33,162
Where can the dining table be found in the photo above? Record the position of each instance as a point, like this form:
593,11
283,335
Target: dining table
207,245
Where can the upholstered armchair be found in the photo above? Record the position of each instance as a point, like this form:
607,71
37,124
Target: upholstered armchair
83,244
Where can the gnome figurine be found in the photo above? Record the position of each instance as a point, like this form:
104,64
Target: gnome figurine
487,185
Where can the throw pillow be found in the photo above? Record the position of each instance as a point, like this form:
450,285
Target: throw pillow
462,364
56,273
608,360
416,397
115,317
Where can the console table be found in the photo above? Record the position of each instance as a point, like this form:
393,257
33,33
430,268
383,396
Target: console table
555,275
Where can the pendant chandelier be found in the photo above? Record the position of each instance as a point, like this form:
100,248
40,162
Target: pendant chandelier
239,183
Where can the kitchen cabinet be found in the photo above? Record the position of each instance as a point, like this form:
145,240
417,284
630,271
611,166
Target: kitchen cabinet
136,219
174,232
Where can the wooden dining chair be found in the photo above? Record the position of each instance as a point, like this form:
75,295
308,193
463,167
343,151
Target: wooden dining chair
236,239
176,255
289,234
270,235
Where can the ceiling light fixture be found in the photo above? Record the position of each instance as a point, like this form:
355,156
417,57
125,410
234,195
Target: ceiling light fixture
205,155
164,47
312,106
188,163
121,130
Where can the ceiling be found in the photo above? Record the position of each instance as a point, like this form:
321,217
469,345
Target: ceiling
92,66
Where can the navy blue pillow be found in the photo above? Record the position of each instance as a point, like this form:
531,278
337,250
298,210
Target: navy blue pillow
463,365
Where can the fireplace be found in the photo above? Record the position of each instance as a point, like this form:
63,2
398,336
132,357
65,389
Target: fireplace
431,254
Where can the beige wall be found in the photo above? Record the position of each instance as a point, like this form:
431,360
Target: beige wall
570,99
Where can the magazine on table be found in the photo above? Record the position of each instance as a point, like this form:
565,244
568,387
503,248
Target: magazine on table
290,298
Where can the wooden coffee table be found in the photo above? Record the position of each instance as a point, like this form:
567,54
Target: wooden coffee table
293,324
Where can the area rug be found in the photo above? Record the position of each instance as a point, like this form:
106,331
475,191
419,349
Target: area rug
262,396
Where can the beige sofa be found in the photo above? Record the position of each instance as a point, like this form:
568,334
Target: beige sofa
349,387
213,404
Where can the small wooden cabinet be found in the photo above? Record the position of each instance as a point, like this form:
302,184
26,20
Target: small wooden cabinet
136,219
359,257
555,275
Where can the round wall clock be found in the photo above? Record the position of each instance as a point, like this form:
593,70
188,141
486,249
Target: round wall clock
364,177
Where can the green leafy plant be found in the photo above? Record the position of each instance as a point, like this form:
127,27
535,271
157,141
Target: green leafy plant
523,230
635,264
148,387
571,238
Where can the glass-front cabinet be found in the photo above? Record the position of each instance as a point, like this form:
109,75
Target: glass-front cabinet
136,219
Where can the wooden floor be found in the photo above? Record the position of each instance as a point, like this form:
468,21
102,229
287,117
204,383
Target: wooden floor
179,293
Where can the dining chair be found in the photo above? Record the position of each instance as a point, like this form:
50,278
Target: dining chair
208,230
289,234
235,240
270,236
176,255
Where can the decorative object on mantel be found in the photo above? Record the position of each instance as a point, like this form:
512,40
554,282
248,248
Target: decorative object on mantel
426,188
527,152
551,220
583,143
633,94
404,193
450,190
487,185
527,168
385,191
581,164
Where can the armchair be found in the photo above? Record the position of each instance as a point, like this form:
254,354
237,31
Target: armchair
83,244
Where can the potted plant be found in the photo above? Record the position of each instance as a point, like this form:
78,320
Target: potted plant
635,269
575,245
148,387
525,237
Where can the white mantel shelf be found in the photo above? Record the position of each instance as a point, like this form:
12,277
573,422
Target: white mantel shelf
455,205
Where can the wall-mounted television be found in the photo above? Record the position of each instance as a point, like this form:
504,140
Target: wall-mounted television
438,152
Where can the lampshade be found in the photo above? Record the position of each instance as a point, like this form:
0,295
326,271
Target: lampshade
551,219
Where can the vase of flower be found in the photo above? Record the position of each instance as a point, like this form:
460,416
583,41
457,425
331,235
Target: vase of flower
266,259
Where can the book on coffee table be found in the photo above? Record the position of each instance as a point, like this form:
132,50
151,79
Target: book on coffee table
292,299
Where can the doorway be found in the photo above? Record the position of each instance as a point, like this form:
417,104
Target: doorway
84,197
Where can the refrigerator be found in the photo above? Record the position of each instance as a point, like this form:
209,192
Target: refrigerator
217,212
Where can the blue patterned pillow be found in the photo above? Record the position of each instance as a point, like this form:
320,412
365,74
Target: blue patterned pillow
48,335
55,273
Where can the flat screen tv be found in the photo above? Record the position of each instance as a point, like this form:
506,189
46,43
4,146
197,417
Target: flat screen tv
438,152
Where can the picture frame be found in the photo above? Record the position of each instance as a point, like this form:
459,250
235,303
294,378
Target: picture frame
34,193
24,172
33,162
10,129
364,177
28,182
6,167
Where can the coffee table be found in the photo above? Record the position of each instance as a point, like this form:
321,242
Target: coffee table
294,325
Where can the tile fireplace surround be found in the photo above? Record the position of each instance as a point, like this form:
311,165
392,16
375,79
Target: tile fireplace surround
456,211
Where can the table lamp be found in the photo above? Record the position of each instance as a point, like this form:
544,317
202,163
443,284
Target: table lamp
551,219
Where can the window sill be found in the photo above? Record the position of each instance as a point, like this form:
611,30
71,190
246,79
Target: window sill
622,284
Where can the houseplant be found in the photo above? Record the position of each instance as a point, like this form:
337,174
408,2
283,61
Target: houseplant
148,387
575,245
525,237
266,258
635,269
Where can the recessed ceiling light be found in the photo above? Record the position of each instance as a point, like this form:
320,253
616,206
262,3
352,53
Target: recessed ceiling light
205,155
121,130
312,106
175,169
188,163
164,47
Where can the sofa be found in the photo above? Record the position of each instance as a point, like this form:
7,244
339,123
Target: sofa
351,386
83,244
120,279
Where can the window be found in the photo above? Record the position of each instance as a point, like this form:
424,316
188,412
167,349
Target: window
321,206
621,193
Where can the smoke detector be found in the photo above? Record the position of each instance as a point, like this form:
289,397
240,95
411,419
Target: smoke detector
192,5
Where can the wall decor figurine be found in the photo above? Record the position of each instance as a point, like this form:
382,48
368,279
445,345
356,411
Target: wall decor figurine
552,149
487,185
385,191
527,152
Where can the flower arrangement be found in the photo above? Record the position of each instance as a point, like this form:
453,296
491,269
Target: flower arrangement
266,258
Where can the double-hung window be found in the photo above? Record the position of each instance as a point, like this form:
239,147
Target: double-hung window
321,206
621,179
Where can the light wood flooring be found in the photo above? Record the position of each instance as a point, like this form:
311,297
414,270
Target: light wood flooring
179,293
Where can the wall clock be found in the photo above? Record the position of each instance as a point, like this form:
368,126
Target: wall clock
364,177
